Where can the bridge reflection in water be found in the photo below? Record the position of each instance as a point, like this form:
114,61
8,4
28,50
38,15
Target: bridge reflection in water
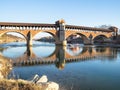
86,73
63,55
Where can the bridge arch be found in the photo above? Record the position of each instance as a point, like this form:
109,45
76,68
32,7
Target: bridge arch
14,32
51,33
47,32
84,38
100,38
102,34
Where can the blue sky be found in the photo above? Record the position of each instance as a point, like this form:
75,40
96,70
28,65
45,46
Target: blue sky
75,12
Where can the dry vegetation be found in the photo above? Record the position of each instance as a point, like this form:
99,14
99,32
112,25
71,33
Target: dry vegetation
17,85
10,84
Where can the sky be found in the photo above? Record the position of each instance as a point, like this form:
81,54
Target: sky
74,12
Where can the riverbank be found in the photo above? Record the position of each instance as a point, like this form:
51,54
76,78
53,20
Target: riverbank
19,84
36,83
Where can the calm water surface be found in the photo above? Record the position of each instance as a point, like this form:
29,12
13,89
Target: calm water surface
75,67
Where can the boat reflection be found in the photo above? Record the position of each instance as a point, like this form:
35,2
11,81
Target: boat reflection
74,49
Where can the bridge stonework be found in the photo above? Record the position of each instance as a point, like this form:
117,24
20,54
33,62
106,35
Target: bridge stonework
60,31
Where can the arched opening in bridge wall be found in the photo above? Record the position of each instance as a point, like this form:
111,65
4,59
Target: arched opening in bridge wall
44,37
45,40
8,37
77,38
101,39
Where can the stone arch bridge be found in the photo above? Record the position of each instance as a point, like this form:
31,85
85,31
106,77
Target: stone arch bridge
59,31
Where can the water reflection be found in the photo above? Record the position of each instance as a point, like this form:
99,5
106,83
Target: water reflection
74,49
91,68
59,55
13,52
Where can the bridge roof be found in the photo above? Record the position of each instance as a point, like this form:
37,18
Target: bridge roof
26,24
53,25
88,28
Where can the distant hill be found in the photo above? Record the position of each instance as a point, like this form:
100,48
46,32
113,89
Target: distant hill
6,38
46,39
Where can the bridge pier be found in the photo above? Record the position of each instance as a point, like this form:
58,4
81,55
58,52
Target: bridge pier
61,33
91,39
29,39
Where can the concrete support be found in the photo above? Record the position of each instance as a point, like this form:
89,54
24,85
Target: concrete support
60,25
29,39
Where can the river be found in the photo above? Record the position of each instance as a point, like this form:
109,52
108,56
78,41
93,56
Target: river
74,67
